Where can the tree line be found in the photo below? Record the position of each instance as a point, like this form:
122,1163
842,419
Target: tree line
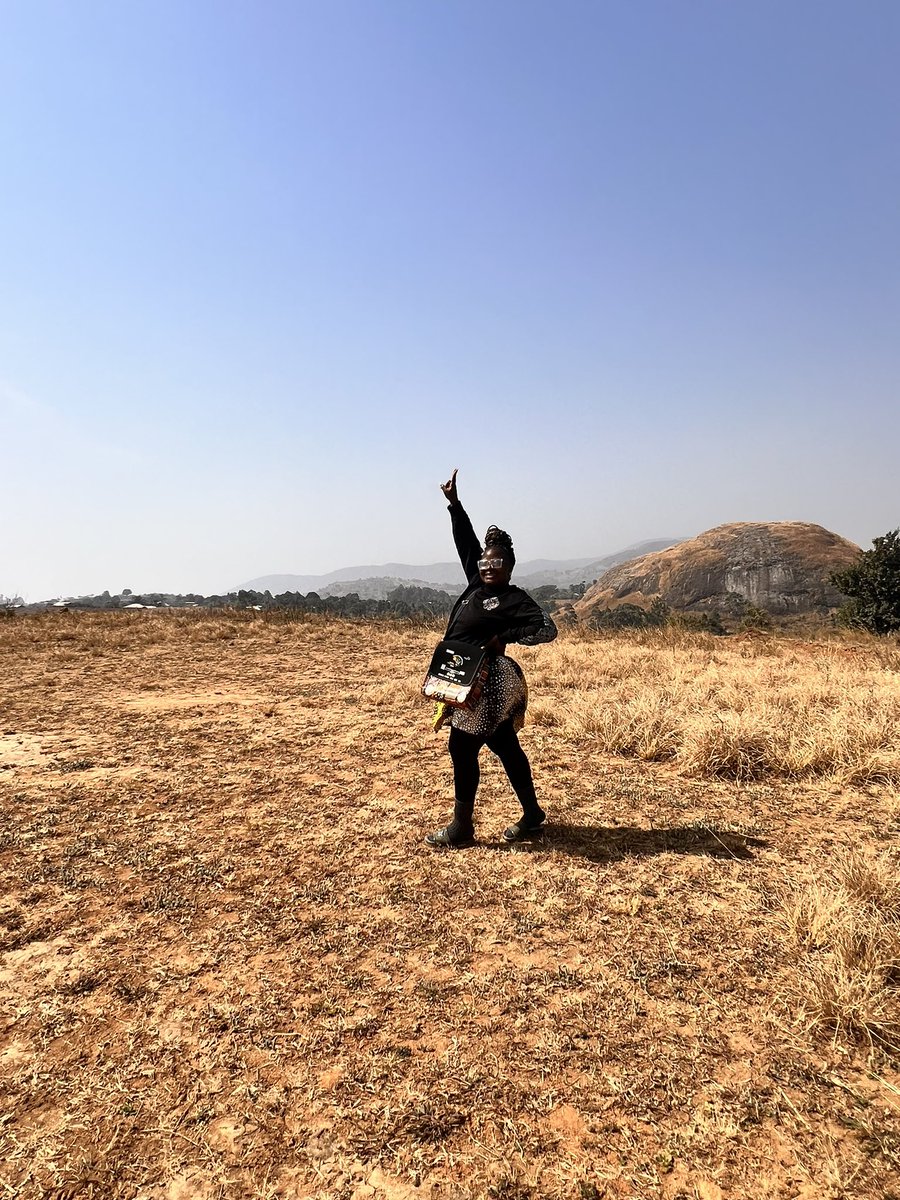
871,585
400,602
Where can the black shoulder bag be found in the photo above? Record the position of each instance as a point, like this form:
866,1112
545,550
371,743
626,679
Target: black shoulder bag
457,674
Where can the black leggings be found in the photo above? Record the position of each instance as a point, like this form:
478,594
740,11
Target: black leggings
504,742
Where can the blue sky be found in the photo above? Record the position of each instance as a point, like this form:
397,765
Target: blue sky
270,270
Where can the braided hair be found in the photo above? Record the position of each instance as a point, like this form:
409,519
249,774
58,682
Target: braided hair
500,539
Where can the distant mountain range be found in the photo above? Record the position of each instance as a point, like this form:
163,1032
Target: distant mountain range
374,582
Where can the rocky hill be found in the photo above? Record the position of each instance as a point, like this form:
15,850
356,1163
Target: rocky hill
779,566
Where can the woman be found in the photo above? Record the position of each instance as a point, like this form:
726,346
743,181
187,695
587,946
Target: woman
490,613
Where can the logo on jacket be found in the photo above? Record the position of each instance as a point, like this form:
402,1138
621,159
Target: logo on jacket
490,602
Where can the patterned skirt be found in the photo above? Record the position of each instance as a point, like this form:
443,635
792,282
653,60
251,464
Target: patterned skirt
505,697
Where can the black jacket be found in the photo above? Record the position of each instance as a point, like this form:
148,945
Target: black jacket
482,611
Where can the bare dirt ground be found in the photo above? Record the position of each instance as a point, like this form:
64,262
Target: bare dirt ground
230,968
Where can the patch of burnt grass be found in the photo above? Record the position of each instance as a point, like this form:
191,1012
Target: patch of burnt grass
82,984
166,898
16,939
63,875
129,987
427,1120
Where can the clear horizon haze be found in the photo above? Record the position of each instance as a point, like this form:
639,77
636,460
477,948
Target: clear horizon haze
271,270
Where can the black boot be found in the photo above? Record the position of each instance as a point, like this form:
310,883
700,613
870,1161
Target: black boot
450,837
460,831
532,821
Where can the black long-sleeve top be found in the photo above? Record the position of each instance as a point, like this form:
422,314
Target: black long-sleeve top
484,611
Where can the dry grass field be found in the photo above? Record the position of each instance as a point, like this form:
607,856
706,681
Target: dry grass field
230,968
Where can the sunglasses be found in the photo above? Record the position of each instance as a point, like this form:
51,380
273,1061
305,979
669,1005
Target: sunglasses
485,564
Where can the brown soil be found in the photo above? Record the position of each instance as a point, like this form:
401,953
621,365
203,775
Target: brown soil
230,968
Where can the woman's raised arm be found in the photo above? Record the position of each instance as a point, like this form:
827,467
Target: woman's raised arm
468,547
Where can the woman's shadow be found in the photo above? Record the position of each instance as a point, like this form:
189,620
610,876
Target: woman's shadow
599,843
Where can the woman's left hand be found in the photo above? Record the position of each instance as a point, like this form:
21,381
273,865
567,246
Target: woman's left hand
449,488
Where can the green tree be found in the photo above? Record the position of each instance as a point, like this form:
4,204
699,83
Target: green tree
700,622
406,599
873,587
755,618
659,612
626,616
545,595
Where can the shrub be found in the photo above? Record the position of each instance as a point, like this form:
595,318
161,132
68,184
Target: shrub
873,587
710,622
844,941
626,616
659,613
755,618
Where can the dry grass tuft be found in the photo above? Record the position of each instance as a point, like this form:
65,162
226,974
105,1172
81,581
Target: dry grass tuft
745,709
845,933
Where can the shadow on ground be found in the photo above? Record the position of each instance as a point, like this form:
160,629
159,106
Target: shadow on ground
609,844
